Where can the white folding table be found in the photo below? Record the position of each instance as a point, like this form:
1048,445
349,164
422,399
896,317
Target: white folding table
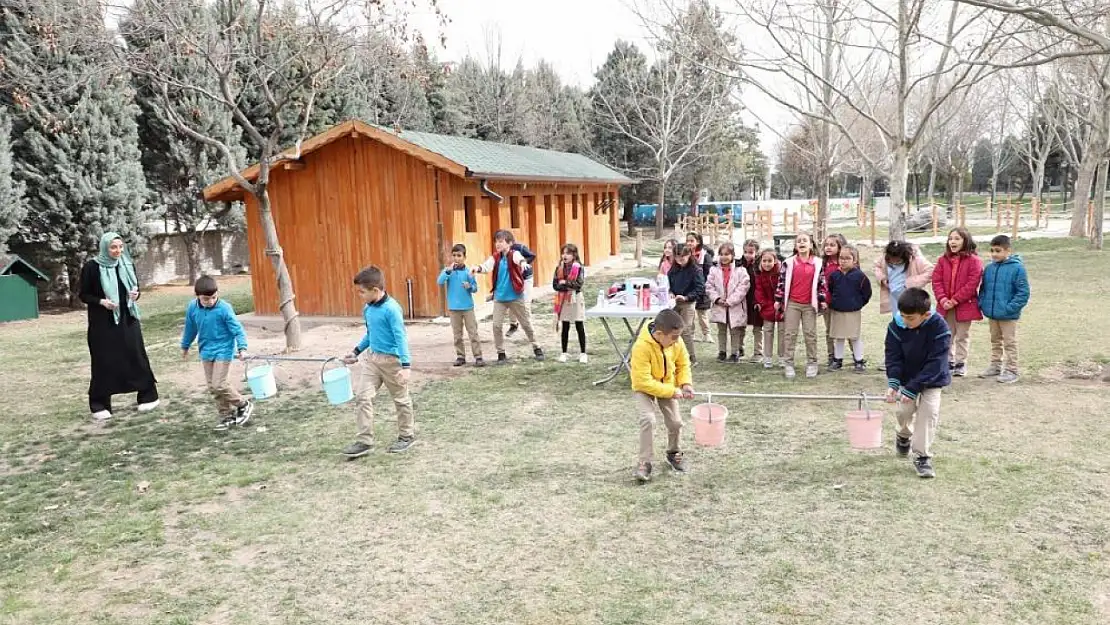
609,311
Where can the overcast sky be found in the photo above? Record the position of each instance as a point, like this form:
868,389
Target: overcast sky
574,36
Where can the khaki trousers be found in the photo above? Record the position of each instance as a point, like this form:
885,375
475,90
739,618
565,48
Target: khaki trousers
769,343
215,376
1004,349
961,338
725,331
517,309
459,319
645,406
686,309
917,421
703,323
830,345
757,340
376,370
805,316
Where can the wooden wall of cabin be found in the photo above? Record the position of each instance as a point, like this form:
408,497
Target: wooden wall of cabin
355,203
541,215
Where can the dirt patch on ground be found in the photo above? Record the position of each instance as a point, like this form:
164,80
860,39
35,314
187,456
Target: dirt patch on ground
1087,371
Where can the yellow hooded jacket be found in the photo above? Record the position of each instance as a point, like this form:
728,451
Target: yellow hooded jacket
659,371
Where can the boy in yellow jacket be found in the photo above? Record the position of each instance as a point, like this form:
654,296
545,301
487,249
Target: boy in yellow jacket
660,371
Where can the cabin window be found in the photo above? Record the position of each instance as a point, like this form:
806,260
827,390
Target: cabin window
548,213
470,214
514,212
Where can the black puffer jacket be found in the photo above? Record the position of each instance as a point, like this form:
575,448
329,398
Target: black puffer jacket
687,281
705,266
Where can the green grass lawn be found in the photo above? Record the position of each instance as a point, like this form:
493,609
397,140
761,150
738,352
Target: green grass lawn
518,505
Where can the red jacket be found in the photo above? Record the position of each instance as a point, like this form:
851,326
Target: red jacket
957,277
764,292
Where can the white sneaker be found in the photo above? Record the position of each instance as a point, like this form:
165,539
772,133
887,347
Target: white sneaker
563,357
102,415
147,407
789,369
811,370
583,358
767,364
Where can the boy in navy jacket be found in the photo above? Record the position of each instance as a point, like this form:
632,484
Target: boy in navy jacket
211,322
461,287
1002,296
387,361
917,369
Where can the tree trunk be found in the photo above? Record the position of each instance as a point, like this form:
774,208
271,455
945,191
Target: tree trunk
932,181
659,210
694,200
630,214
277,257
73,274
821,222
1100,205
192,254
1082,194
898,192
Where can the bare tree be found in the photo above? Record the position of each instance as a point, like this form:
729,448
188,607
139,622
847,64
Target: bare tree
896,73
287,53
669,109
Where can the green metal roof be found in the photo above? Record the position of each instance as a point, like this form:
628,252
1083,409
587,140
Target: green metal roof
9,262
486,159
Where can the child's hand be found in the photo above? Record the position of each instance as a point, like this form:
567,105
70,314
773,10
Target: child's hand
757,307
891,395
778,306
109,304
679,298
822,307
404,374
185,354
720,302
242,355
948,304
687,391
562,282
904,399
350,359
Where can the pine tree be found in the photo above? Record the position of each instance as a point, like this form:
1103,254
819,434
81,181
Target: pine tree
178,166
11,192
74,138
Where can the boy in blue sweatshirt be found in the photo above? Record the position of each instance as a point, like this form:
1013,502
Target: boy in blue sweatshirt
461,287
1003,294
387,363
917,369
211,322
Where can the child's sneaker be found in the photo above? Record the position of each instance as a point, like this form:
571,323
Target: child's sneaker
789,372
356,450
860,366
460,361
563,357
992,371
924,467
735,358
836,364
674,458
643,472
811,370
740,354
225,423
512,329
538,353
402,444
583,358
768,363
1007,377
502,359
832,361
960,370
478,362
722,357
243,412
902,446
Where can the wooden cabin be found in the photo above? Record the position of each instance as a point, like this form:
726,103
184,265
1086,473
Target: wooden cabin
361,195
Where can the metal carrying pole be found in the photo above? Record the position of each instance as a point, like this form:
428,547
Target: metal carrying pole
860,397
291,358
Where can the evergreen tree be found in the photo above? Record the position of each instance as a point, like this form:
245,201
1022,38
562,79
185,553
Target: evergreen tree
11,192
177,165
74,138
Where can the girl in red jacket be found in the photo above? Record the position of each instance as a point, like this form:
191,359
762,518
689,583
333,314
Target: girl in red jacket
955,283
763,291
831,258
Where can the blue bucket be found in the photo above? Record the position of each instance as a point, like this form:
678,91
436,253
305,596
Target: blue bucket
336,383
261,380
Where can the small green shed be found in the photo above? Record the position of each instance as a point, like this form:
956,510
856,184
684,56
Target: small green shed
19,297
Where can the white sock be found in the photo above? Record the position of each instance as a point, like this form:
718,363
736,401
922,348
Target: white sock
857,349
838,349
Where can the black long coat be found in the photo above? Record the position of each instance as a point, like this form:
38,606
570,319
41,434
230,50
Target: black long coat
119,361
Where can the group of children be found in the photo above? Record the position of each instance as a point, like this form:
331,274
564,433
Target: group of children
924,348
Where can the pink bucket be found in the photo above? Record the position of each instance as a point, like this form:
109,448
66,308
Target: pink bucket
709,424
865,429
